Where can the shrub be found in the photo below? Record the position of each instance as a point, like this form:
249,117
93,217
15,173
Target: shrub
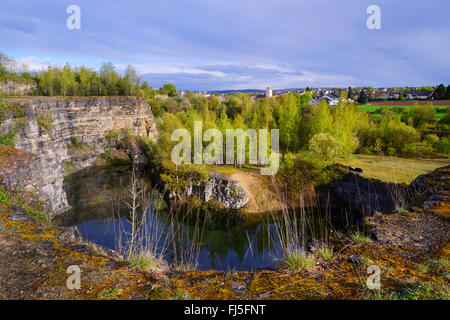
8,139
443,146
45,121
432,139
419,115
178,178
323,145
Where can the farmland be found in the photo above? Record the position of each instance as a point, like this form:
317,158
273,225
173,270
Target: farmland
440,106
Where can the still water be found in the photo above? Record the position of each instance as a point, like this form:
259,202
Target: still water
98,196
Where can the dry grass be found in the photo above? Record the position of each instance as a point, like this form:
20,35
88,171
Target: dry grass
393,169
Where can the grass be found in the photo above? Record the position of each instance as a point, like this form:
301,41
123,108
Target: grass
326,253
359,238
147,261
372,108
411,291
440,265
109,294
31,206
299,261
181,296
394,169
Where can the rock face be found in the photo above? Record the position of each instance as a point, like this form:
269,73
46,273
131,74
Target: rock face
87,118
225,190
14,88
367,196
222,188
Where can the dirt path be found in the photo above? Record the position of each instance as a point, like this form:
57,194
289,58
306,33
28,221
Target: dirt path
262,193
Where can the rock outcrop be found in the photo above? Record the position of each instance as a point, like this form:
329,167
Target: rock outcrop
225,190
14,88
49,126
357,193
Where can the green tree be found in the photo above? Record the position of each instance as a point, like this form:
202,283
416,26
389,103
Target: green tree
363,98
109,79
419,115
441,92
323,121
169,89
324,146
130,81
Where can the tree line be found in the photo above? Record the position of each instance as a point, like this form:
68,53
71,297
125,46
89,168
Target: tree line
82,81
321,131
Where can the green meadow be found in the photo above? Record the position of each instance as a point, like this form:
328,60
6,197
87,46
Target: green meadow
440,110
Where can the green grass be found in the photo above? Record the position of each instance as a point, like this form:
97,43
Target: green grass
358,238
410,291
179,295
441,265
109,294
36,210
146,261
372,108
394,169
230,169
326,253
299,261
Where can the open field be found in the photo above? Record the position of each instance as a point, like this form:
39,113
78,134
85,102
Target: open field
374,106
397,103
393,169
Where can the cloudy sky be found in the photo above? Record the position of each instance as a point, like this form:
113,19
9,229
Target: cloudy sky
229,44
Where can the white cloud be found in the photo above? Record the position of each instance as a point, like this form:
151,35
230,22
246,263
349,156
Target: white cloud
153,68
32,63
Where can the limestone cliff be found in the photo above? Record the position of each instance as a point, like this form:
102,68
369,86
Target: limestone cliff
14,88
48,127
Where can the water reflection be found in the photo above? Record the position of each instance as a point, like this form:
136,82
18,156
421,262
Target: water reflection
98,195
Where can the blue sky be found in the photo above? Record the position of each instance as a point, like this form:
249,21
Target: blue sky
217,44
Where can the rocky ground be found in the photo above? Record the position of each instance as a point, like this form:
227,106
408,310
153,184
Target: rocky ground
411,248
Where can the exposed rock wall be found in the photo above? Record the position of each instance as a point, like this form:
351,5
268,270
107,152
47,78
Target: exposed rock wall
87,118
225,190
14,88
222,188
355,192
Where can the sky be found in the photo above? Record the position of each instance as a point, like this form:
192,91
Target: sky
246,44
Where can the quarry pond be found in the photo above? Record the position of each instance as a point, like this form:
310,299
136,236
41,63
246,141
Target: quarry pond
211,240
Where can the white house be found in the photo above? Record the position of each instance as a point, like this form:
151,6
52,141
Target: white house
268,92
331,101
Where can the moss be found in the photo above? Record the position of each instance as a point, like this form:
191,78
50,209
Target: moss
109,294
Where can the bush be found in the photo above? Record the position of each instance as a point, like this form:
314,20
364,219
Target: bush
443,146
8,139
177,179
432,139
45,121
287,162
323,145
419,115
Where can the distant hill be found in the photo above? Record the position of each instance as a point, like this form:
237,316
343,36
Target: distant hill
236,91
